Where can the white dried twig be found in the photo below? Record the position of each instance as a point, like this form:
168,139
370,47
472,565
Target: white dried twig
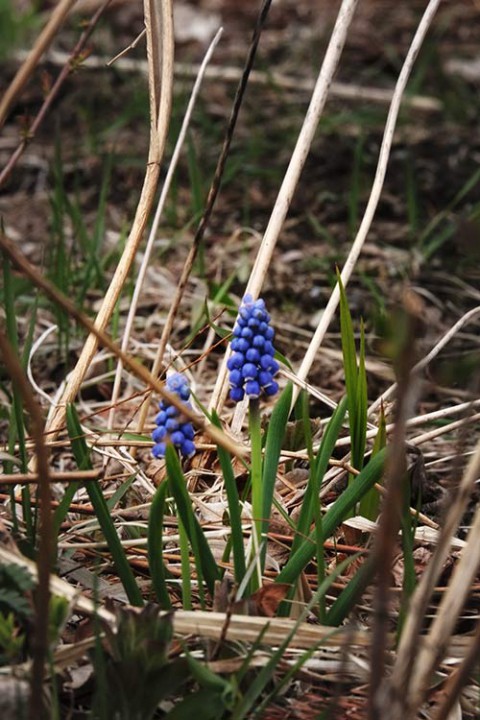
160,46
153,232
437,348
403,670
295,167
375,192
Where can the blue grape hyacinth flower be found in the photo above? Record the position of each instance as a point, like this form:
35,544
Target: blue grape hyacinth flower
252,366
171,426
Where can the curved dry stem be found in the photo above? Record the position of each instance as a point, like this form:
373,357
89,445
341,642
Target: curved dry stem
134,366
437,348
433,647
151,239
156,17
292,176
375,192
403,669
73,59
33,58
45,545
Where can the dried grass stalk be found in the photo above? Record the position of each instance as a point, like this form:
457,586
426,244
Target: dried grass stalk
160,44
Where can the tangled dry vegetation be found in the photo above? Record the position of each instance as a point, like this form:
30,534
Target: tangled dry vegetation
328,163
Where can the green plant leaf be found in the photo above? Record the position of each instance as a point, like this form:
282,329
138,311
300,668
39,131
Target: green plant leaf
82,458
204,560
318,470
370,503
158,570
333,517
273,447
234,509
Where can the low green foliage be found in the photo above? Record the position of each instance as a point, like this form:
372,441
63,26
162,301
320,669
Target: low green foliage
82,457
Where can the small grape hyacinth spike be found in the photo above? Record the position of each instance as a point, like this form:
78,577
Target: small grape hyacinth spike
171,425
252,366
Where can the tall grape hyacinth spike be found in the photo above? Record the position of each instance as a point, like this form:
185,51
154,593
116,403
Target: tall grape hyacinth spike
252,366
171,427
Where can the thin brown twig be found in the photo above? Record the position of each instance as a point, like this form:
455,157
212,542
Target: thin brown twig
21,262
211,198
160,51
35,478
53,92
33,58
390,517
458,678
37,708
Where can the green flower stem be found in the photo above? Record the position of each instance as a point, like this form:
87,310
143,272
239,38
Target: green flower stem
256,481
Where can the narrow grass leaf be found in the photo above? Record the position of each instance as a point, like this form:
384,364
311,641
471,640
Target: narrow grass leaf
355,381
352,593
185,568
275,434
264,676
204,560
158,570
317,472
333,517
82,457
370,503
16,421
234,509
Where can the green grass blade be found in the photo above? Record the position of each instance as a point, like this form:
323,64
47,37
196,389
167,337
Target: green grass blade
361,403
185,566
319,468
234,509
204,560
273,447
370,503
61,511
332,519
349,597
82,456
355,381
264,676
158,571
16,420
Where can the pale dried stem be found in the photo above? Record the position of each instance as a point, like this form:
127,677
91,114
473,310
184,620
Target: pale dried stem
459,678
34,478
433,647
33,57
426,437
149,247
160,107
292,176
405,667
45,541
437,348
133,365
375,192
216,73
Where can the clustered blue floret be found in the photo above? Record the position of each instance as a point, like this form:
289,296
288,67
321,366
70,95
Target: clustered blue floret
171,427
252,366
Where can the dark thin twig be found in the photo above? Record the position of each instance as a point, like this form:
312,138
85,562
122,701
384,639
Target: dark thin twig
459,678
217,179
35,478
45,543
54,90
390,517
41,282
